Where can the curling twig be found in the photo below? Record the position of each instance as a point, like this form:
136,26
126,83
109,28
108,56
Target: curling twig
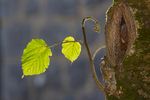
88,51
97,51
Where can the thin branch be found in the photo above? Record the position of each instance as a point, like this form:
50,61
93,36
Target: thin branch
65,42
89,54
97,51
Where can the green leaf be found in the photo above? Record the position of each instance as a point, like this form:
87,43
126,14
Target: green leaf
35,58
71,50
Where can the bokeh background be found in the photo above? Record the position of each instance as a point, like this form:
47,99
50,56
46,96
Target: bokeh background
52,21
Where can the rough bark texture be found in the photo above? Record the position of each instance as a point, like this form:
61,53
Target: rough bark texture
118,14
120,31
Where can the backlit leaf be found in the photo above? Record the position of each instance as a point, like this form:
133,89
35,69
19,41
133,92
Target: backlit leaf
35,58
71,50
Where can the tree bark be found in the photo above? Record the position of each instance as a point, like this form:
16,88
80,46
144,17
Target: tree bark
121,30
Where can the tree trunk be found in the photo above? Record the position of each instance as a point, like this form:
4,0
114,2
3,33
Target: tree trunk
124,19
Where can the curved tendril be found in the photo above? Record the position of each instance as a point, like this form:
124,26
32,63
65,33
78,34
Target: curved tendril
96,28
97,51
89,54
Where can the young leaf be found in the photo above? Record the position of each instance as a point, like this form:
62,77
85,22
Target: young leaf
71,50
35,58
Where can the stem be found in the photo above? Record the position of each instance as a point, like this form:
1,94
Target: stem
89,54
65,42
93,19
97,51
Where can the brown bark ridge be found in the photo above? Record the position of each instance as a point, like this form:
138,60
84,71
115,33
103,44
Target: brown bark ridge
120,33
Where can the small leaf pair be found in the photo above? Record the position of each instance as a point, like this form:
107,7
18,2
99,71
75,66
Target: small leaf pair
35,58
